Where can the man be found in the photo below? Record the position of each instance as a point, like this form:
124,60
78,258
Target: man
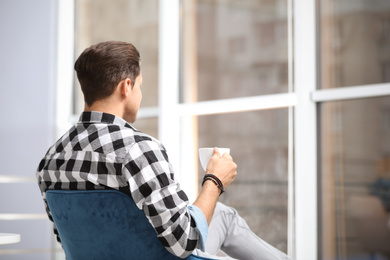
103,151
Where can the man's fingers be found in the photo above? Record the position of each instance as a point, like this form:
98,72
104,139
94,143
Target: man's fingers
216,152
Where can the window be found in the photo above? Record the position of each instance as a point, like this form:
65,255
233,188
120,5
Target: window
258,142
239,48
355,40
355,178
234,59
354,136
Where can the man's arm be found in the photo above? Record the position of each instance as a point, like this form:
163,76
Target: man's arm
154,190
223,168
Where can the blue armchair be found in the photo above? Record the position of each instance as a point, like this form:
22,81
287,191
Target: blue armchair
104,224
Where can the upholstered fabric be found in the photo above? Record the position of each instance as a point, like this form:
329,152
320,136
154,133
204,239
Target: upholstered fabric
104,224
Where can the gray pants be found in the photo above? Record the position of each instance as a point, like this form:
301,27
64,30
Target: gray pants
230,233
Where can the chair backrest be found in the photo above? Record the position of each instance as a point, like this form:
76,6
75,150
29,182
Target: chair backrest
104,224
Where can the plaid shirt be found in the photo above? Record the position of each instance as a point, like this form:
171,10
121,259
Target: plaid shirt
103,151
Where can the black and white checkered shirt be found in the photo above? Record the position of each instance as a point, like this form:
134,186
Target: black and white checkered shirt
103,151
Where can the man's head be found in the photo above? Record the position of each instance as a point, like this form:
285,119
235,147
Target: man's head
101,67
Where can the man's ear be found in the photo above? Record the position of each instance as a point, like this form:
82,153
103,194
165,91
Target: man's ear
125,87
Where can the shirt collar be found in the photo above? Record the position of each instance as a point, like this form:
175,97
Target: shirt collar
101,117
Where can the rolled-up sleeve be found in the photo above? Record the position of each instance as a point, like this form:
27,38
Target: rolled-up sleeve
154,190
201,225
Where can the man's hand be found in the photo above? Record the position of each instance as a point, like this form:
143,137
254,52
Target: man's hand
225,169
222,167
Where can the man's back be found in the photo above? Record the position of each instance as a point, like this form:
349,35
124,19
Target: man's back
90,155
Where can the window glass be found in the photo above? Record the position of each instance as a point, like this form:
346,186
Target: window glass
259,145
233,49
355,179
122,20
355,42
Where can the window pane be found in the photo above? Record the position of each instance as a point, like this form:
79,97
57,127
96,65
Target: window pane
259,144
234,49
355,181
122,20
355,42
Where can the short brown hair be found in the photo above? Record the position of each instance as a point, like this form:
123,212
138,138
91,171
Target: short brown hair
102,66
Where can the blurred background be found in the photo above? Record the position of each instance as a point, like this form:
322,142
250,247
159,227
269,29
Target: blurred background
298,90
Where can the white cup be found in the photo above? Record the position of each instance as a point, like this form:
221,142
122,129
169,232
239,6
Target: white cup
206,153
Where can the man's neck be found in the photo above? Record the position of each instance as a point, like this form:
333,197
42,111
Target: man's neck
105,106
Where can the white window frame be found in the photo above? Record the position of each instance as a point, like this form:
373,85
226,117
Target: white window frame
305,138
64,68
